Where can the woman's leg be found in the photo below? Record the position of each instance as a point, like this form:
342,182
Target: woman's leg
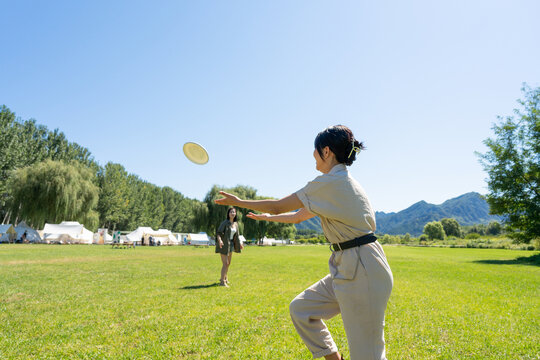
308,310
362,301
224,268
228,265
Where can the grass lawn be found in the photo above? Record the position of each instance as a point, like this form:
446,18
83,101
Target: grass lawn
94,302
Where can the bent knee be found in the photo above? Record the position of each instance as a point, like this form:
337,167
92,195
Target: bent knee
295,307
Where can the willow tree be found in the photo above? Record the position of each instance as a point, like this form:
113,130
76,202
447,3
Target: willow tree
54,191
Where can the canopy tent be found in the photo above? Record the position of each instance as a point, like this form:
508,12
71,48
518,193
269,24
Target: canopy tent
70,232
268,241
163,236
102,237
198,239
31,234
7,233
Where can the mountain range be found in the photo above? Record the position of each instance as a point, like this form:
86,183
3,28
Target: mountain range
467,209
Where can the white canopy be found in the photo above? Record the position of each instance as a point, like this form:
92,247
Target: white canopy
102,237
163,235
198,239
67,232
268,241
31,234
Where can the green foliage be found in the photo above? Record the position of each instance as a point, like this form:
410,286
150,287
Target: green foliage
494,228
114,197
513,166
53,191
251,229
434,230
451,227
23,143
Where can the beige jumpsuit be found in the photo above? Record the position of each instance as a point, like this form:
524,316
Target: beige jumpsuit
360,279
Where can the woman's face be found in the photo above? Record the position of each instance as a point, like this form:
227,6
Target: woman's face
319,162
232,213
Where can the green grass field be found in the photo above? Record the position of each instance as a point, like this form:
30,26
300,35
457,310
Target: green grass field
94,302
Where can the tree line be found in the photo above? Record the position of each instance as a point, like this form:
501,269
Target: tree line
44,178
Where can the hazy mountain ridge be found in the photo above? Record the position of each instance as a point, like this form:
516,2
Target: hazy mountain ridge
467,209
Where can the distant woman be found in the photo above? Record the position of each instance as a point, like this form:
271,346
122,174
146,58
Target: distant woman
360,279
227,241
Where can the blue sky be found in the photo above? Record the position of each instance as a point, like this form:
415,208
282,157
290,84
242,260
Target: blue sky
420,82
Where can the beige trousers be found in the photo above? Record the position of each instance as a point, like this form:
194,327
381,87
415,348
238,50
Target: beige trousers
358,287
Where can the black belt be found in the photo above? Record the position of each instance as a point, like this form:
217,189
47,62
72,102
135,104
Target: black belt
359,241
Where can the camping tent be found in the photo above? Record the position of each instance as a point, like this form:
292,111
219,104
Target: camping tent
163,236
7,233
31,234
67,232
102,237
198,239
268,241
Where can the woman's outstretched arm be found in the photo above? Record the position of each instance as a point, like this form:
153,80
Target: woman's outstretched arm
288,203
291,217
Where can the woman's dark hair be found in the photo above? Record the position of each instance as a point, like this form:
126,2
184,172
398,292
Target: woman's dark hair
235,216
341,141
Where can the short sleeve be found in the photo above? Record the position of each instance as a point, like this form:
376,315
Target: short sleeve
312,196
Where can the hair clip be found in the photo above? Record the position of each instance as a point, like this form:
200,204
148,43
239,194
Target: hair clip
355,149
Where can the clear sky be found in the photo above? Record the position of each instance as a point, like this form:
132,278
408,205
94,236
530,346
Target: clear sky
419,82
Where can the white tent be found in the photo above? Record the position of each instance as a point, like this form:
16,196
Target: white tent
136,235
166,237
268,241
70,232
102,237
242,239
198,239
7,233
31,234
163,236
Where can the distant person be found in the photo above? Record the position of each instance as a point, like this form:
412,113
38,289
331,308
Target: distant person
360,279
227,242
24,237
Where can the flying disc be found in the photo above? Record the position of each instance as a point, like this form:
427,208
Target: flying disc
196,153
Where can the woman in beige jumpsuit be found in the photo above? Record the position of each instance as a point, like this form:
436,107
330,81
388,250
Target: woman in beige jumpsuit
360,279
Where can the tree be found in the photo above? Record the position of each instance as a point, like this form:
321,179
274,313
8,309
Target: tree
434,230
214,214
54,191
513,166
451,227
494,228
114,196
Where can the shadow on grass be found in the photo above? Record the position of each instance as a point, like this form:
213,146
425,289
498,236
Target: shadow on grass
523,260
193,287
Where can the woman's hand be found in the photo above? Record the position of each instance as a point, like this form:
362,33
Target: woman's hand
220,244
254,216
228,199
241,245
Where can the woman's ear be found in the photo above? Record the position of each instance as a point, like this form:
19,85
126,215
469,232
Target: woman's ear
326,152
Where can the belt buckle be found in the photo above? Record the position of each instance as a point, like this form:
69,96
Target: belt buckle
332,247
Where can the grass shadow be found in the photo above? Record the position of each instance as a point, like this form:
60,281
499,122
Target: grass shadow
533,260
194,287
